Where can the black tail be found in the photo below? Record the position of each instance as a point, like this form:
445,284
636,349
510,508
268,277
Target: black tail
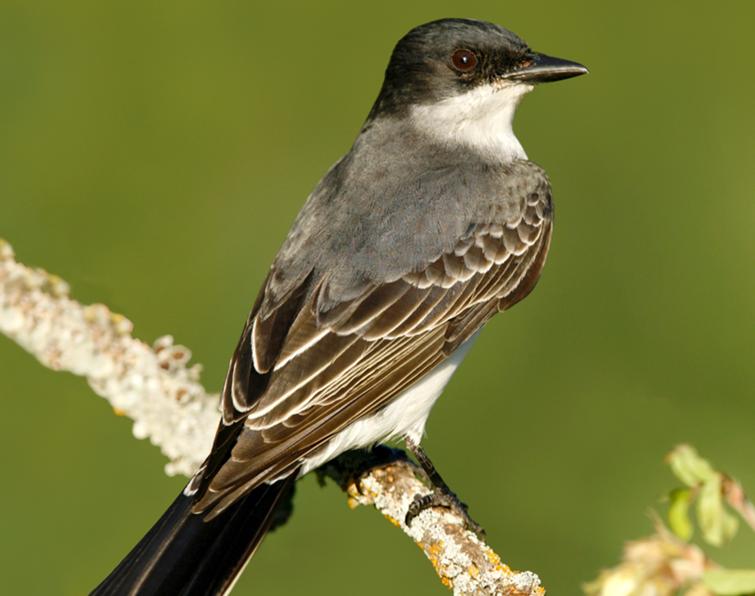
183,554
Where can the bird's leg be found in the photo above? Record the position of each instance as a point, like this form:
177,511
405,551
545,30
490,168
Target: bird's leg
442,495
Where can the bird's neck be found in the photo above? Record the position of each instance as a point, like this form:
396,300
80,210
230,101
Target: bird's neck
480,120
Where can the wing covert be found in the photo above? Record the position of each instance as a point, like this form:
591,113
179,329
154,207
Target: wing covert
313,365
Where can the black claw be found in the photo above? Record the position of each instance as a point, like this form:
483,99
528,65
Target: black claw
442,496
447,500
417,506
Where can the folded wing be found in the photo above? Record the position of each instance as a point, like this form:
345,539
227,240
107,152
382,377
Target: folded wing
313,365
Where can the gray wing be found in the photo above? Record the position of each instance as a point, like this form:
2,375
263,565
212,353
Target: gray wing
312,364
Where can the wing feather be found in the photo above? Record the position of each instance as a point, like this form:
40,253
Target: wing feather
313,365
391,319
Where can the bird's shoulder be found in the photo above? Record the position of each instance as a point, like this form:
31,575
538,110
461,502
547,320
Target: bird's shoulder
372,221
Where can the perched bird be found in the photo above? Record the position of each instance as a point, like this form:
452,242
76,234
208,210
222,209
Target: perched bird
433,222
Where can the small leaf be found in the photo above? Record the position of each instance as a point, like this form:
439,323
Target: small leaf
689,467
730,581
678,513
717,524
731,525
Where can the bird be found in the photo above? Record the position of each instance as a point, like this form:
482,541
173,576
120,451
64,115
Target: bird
433,222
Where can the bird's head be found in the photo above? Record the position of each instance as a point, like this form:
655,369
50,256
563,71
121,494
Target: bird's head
453,73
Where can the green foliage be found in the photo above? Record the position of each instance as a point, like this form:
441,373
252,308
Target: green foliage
678,513
704,484
705,487
728,582
689,467
717,524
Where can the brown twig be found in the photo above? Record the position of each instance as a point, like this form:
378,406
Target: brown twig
735,496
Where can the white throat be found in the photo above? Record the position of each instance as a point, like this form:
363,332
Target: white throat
480,119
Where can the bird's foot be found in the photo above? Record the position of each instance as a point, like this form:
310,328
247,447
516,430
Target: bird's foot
441,497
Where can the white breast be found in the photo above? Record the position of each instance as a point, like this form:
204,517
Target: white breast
405,416
480,119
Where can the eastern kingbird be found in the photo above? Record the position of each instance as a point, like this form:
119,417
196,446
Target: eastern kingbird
433,222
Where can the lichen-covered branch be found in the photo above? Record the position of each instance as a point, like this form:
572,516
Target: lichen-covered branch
386,479
156,387
150,384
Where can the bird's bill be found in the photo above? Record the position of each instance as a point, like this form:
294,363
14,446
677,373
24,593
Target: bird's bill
539,68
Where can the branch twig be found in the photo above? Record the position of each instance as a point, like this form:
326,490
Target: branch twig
660,564
151,385
388,480
156,387
735,496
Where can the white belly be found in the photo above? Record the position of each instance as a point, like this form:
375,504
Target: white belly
405,416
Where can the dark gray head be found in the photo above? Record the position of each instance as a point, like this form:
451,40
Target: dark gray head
450,57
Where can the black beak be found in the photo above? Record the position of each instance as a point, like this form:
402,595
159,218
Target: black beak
539,68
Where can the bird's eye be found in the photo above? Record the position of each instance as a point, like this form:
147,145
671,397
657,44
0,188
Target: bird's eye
464,60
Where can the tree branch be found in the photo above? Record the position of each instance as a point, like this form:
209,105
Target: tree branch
151,385
157,388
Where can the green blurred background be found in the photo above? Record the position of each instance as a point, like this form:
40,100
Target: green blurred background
154,154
